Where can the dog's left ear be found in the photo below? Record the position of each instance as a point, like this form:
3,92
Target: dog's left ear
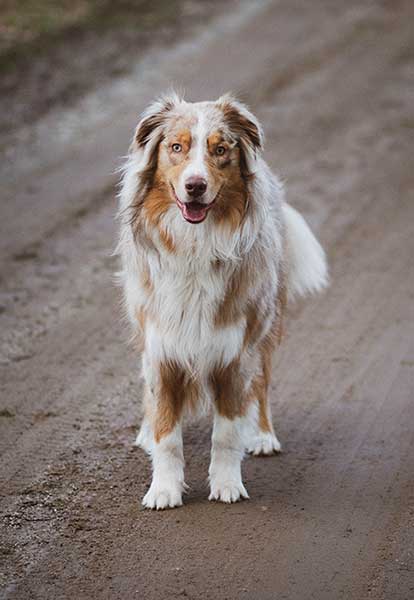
246,129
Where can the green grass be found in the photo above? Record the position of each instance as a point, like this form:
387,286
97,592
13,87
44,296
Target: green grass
22,21
29,26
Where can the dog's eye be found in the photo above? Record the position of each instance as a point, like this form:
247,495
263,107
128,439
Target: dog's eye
176,147
220,150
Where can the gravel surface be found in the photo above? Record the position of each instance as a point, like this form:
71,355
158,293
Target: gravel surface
332,516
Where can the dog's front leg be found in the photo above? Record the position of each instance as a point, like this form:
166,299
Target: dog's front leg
163,421
228,440
226,456
167,484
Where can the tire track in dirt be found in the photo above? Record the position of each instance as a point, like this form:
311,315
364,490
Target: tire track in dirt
341,394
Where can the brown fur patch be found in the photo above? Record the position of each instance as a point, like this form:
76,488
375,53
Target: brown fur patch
214,140
146,180
157,202
160,196
183,137
260,391
230,309
217,265
140,233
280,309
152,122
225,173
240,125
260,385
264,423
245,130
141,317
139,333
227,386
154,205
217,139
146,127
167,240
232,201
146,279
147,177
176,391
171,163
281,303
254,325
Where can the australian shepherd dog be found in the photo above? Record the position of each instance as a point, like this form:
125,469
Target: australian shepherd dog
211,253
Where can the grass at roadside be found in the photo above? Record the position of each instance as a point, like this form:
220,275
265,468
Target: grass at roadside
23,21
28,27
54,51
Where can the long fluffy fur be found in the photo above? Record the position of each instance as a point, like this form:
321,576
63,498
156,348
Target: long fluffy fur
307,271
207,299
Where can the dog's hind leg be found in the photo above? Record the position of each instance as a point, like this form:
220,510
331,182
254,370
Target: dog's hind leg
261,437
145,437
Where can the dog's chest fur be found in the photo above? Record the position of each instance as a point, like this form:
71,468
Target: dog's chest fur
185,306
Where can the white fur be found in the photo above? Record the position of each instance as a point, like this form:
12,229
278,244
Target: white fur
307,267
167,485
145,437
187,290
196,164
226,455
264,443
259,443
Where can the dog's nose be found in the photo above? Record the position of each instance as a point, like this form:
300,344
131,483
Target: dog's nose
195,186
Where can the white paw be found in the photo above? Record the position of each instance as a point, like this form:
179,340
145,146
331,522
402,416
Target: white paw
264,443
227,491
163,496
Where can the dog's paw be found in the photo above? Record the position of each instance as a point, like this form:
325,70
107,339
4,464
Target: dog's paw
227,491
163,496
264,444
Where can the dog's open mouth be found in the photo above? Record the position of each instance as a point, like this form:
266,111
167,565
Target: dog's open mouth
193,212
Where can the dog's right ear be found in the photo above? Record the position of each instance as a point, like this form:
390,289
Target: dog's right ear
150,127
142,163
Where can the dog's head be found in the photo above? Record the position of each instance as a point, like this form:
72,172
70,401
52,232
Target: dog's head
198,157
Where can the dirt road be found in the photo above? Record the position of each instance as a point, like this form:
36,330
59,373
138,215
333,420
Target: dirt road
331,517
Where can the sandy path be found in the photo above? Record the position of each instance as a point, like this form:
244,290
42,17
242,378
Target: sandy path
330,518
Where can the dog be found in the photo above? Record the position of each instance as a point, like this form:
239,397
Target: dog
211,253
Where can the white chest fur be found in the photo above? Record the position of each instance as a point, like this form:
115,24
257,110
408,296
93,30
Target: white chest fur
184,305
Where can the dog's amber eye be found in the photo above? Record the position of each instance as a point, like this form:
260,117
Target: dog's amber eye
220,150
176,147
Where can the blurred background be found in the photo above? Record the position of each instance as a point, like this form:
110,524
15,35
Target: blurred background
332,83
53,52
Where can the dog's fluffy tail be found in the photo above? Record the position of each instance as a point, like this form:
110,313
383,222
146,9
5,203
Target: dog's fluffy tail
307,269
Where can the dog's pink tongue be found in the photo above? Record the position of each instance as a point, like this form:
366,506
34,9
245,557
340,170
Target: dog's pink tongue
194,212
